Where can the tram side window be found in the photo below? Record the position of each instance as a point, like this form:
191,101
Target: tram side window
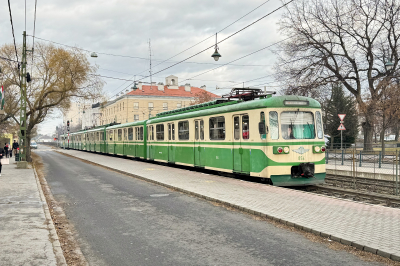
262,120
130,133
111,133
196,130
119,134
217,128
202,129
101,136
141,133
183,130
245,127
273,124
236,128
150,132
319,125
125,134
160,132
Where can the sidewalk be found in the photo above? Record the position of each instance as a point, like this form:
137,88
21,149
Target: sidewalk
368,227
365,172
27,234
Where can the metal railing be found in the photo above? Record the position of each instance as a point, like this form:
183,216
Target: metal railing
365,166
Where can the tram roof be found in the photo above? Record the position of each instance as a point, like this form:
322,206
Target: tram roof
225,107
271,102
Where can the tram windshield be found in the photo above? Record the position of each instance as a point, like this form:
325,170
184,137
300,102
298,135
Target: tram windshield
297,125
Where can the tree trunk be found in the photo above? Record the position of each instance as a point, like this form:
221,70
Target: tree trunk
383,138
368,127
28,147
396,131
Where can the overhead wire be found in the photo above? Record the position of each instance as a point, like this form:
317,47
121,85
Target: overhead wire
212,35
12,27
226,38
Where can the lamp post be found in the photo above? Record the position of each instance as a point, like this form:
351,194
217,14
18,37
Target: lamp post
216,55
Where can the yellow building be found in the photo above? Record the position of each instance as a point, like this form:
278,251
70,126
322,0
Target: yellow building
148,100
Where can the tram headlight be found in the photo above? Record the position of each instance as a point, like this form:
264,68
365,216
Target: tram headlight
286,150
317,149
280,150
323,148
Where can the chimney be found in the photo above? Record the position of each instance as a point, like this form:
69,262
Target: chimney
153,85
140,85
203,87
160,86
187,87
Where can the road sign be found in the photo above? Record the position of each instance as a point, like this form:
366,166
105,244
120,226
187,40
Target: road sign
342,116
341,127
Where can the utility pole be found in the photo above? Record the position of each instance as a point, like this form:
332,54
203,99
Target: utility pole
22,120
151,74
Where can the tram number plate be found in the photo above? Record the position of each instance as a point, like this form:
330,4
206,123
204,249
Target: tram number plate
301,158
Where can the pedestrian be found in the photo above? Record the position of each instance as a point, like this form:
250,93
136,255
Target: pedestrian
1,157
6,149
15,146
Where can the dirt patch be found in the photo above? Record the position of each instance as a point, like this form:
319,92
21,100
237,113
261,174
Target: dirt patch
65,230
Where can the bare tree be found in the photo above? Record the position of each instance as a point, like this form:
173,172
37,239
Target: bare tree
345,41
58,76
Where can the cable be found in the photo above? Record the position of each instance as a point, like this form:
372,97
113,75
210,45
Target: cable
8,59
226,38
12,27
212,35
266,47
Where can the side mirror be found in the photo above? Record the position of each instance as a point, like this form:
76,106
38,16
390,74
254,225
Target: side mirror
261,128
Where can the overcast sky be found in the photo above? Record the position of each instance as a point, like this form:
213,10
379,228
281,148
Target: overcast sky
125,27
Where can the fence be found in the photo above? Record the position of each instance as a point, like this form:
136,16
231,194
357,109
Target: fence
365,167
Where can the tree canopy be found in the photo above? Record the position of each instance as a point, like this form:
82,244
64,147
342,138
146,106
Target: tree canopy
342,41
58,76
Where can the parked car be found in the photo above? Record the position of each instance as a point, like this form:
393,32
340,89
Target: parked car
33,145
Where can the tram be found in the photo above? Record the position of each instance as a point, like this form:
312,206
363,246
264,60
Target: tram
279,139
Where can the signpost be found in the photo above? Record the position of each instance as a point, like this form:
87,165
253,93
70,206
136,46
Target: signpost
341,128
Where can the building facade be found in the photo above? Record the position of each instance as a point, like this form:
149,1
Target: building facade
148,100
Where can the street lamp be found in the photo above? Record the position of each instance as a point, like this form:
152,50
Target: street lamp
134,88
216,55
389,65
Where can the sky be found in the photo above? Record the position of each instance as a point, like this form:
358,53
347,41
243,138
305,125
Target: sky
119,32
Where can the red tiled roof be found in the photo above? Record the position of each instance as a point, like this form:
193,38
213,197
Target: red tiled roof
146,91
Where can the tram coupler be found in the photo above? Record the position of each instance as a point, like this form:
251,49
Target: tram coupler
303,170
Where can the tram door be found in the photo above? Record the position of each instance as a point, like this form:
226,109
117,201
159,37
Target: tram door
198,139
171,142
241,134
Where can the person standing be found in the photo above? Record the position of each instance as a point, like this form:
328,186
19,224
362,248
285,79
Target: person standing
6,149
1,157
15,146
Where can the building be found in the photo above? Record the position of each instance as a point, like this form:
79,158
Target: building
91,117
75,115
148,100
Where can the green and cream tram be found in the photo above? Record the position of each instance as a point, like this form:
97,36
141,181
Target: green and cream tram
276,138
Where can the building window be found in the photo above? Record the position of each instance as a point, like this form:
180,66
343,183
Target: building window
217,128
165,106
151,106
179,105
160,132
183,130
136,117
135,106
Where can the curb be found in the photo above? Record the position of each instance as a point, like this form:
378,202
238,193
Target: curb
50,225
250,211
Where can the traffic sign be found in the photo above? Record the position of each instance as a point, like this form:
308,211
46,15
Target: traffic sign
341,116
341,127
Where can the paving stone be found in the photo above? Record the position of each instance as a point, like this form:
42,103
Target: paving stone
383,254
367,226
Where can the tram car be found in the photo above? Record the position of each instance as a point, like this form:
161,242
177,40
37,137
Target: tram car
279,139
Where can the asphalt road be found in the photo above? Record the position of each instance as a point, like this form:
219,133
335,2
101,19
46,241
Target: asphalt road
124,221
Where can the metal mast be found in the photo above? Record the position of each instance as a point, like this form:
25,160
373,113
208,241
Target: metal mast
151,75
22,120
